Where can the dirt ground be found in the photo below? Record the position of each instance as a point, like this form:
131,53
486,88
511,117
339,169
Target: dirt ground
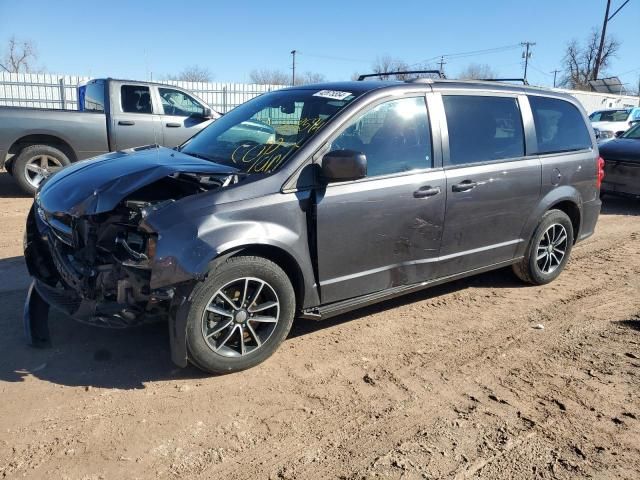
452,382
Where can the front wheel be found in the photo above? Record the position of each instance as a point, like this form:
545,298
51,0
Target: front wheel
549,249
240,315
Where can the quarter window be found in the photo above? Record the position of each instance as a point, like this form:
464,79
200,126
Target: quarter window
395,137
559,125
175,102
135,99
483,128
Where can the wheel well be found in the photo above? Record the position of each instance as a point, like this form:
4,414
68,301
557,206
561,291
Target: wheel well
41,139
284,261
573,212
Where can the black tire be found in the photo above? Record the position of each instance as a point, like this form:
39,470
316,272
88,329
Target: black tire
28,156
200,352
529,269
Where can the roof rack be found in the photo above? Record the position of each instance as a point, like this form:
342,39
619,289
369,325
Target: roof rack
400,72
522,80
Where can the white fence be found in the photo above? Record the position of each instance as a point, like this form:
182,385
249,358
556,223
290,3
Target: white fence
59,91
43,90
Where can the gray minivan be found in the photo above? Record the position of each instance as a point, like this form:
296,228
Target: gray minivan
312,201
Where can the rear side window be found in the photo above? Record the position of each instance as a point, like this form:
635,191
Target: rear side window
94,97
483,129
135,99
559,126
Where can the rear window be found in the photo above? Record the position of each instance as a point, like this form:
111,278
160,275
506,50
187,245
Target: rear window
94,97
559,126
483,128
609,116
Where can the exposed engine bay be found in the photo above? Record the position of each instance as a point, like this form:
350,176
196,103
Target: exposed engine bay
97,268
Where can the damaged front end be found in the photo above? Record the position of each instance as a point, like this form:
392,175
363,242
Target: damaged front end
94,259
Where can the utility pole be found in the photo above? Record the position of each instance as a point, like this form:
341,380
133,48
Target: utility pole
526,55
442,63
607,19
555,72
293,67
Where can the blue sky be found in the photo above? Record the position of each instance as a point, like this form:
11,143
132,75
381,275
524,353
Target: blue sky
337,38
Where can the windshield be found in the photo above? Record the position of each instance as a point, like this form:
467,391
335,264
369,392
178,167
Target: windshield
609,116
633,132
261,135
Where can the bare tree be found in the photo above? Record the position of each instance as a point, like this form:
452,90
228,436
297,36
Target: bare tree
265,76
386,65
477,71
310,77
193,73
20,56
579,62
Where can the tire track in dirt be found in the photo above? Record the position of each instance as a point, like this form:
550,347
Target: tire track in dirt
612,252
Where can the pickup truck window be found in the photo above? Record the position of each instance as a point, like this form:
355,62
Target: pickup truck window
609,116
261,135
175,102
395,137
94,97
135,99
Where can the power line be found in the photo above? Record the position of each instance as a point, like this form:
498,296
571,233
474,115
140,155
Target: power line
472,53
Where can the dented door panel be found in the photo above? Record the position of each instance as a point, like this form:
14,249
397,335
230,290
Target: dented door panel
378,234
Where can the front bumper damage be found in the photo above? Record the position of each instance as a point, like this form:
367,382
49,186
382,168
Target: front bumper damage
103,294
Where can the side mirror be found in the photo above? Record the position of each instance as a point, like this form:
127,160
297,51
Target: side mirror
343,165
618,134
207,113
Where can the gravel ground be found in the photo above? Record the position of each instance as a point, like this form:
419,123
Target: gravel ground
452,382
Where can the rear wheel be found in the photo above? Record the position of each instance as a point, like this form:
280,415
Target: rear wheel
35,163
239,315
549,249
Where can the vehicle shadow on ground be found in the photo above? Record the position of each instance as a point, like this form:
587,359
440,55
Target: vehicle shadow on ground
503,278
632,323
87,356
9,187
612,205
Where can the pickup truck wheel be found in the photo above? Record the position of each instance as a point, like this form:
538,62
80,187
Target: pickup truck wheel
239,315
35,163
549,249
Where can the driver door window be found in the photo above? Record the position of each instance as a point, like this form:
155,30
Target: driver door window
177,103
395,137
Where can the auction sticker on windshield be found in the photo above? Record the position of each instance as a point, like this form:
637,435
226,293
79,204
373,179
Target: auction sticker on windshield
333,94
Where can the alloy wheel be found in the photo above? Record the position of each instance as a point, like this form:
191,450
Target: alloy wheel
40,167
551,248
240,317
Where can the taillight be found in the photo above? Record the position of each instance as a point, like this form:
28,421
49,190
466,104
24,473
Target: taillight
600,176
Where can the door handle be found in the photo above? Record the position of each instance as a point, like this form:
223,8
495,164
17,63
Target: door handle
427,191
464,186
173,125
126,122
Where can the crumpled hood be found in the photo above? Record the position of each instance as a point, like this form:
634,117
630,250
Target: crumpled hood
99,184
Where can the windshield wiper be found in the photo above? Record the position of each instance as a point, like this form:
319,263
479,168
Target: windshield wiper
199,155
